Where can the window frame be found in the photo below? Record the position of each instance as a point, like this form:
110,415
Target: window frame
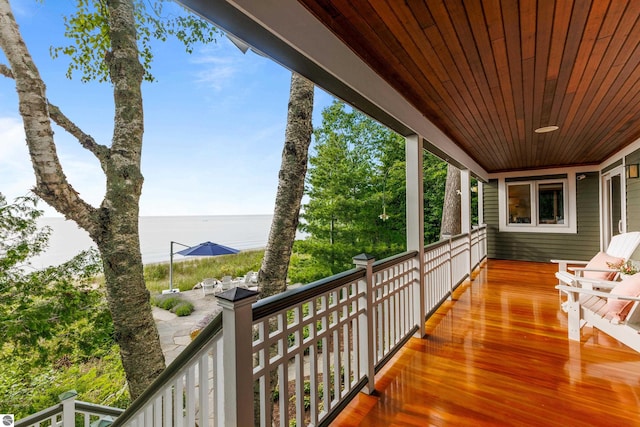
569,203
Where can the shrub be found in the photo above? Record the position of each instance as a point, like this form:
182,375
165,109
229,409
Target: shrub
166,302
183,308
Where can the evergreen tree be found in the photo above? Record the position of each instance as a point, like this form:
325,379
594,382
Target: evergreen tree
356,171
357,196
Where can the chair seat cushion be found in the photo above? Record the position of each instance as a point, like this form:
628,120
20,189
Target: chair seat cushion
601,262
629,287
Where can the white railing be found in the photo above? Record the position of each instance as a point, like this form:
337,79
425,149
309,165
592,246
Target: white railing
395,287
70,412
478,245
310,351
299,357
189,391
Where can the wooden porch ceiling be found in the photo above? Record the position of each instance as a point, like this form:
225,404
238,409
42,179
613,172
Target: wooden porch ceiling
488,73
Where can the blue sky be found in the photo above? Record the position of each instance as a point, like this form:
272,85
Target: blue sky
214,123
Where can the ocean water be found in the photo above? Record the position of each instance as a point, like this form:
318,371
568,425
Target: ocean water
156,233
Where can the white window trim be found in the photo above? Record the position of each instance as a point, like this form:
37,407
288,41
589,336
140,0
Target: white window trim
569,227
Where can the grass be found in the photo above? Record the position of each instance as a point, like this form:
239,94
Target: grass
189,272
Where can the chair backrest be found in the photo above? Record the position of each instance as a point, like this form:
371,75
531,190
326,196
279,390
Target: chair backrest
624,245
226,279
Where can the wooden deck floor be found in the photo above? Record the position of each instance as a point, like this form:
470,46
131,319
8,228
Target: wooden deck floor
498,355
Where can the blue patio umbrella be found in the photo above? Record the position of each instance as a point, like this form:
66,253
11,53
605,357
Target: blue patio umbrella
202,249
208,249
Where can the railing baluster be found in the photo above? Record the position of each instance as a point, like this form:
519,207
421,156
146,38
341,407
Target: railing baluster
190,396
157,411
148,417
168,419
218,378
178,388
203,389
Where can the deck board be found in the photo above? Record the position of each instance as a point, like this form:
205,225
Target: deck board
498,354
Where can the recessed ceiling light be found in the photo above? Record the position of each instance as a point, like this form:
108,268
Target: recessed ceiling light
546,129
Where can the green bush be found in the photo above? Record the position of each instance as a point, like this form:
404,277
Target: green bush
166,302
173,303
183,308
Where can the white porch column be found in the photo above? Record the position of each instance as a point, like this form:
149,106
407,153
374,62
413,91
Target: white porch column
365,321
237,357
415,221
480,202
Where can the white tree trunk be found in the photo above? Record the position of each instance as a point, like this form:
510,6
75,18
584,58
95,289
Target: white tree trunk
451,224
113,226
275,264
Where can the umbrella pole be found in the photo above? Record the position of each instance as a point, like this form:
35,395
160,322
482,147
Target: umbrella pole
171,290
171,266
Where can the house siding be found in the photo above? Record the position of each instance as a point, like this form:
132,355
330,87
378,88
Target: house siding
545,246
633,196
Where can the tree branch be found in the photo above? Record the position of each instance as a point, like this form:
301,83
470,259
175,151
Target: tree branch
87,141
6,71
51,182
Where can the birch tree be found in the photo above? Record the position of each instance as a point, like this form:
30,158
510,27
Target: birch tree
107,49
272,277
451,221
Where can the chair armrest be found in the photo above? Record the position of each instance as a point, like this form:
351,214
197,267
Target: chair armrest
577,281
579,271
599,283
568,261
604,270
564,263
585,291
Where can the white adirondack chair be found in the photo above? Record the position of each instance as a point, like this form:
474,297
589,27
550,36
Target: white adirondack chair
211,284
590,307
227,283
621,246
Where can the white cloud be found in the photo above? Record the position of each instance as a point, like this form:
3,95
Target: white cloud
13,141
217,68
16,173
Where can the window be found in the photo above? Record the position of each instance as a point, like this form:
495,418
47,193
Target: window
551,203
536,205
519,203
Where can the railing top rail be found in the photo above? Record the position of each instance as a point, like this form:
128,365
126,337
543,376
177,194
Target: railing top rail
475,229
98,409
275,303
203,338
39,416
395,259
47,413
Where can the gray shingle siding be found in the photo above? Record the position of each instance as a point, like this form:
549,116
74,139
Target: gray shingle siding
633,196
544,246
